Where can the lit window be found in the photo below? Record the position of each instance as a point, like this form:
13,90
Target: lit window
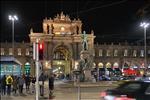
94,53
134,53
10,51
125,52
27,51
100,52
116,53
2,51
108,53
19,51
142,53
62,28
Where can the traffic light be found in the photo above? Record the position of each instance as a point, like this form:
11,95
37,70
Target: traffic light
41,49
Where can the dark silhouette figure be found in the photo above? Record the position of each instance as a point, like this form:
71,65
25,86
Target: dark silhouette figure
51,85
3,85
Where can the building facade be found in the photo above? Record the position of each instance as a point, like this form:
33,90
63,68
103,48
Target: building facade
62,43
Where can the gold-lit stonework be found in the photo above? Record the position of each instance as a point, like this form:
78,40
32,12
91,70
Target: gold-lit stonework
62,42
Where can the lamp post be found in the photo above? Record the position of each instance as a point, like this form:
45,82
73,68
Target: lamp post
13,18
145,25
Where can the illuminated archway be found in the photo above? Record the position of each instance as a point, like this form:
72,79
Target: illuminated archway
61,60
108,65
27,68
115,65
100,65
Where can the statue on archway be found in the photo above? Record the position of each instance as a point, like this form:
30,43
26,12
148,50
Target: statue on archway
84,41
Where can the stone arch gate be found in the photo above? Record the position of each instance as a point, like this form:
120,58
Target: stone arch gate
62,37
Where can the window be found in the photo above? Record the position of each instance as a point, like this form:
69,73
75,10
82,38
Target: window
19,51
2,51
10,51
116,53
134,53
131,87
100,52
94,53
142,53
125,52
27,51
58,55
108,53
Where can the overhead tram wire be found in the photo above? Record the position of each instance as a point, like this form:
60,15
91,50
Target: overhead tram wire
45,7
61,6
103,6
77,9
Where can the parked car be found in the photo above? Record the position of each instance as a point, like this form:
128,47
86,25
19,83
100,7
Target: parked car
104,78
129,90
146,78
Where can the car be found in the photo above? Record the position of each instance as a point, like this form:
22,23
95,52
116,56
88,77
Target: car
146,78
129,90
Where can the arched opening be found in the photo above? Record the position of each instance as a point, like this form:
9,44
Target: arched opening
108,65
109,70
100,65
61,61
115,65
27,68
116,69
101,69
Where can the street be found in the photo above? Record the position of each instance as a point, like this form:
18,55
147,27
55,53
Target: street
63,91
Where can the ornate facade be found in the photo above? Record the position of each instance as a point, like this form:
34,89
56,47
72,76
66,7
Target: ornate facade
62,39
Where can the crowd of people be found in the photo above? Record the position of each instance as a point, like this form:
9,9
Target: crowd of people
15,84
23,84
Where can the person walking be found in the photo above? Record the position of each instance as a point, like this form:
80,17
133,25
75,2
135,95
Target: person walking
41,83
33,84
15,84
51,85
27,82
9,81
21,83
3,85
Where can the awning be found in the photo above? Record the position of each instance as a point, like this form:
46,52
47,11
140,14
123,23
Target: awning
9,59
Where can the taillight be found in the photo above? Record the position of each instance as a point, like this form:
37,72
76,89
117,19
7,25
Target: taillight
103,94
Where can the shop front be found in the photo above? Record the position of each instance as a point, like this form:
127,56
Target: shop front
10,66
101,69
116,69
109,70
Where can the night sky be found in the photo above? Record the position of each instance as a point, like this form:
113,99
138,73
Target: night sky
111,20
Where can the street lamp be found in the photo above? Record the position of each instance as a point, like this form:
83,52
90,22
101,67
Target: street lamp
13,18
144,25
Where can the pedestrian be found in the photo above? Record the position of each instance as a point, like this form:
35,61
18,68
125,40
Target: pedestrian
9,81
21,83
51,85
41,83
3,85
33,84
15,84
27,82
